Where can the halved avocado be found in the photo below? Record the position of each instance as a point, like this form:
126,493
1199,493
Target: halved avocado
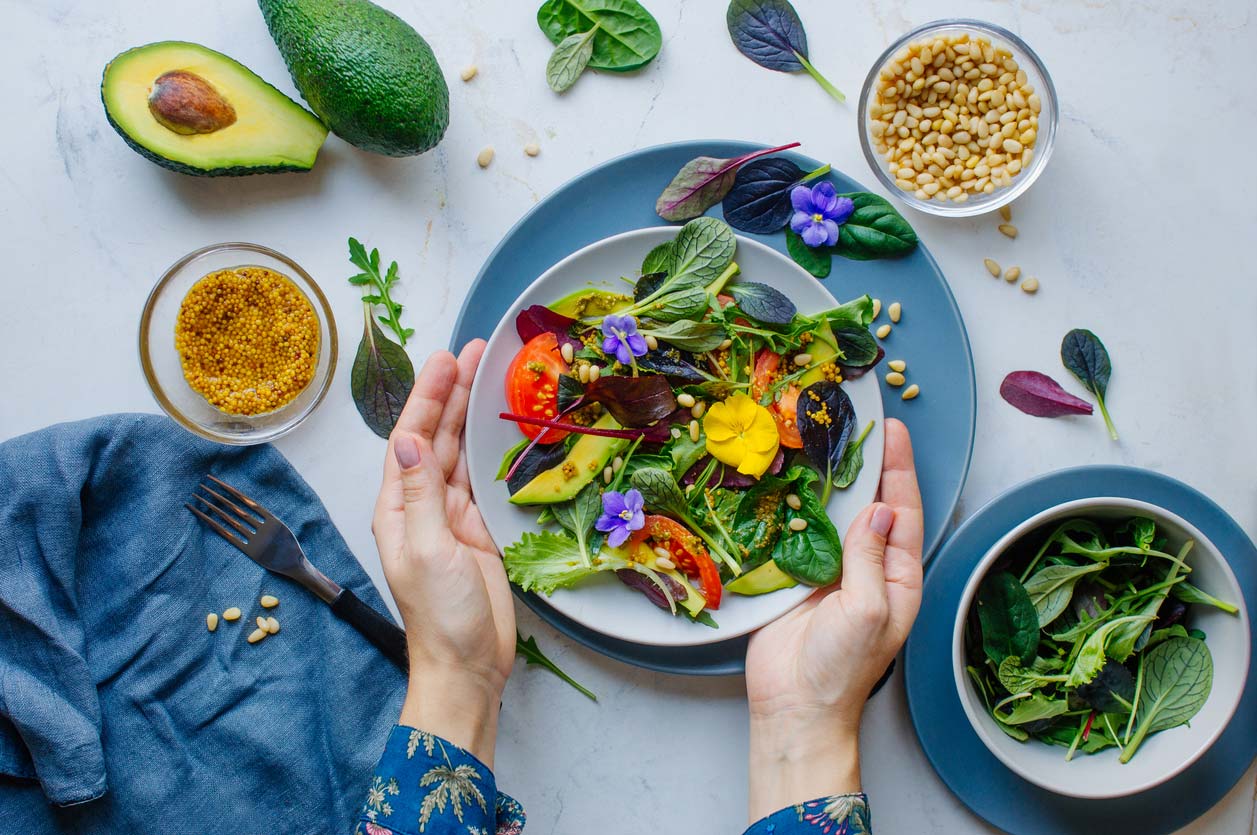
196,111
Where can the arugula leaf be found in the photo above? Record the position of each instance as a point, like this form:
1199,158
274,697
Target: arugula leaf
527,649
382,284
1188,593
545,561
381,378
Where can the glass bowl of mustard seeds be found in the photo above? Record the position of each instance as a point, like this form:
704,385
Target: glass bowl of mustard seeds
237,343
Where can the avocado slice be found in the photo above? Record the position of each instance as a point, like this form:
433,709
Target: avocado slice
197,111
762,580
591,302
585,460
824,347
366,72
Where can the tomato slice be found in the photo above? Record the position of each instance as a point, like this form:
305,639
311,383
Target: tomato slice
785,411
532,385
686,551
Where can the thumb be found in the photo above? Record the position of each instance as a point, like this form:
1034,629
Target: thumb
423,486
864,554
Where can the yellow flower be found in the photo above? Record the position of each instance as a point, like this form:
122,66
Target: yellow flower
742,434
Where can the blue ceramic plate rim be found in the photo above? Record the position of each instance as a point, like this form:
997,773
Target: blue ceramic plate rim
953,748
726,657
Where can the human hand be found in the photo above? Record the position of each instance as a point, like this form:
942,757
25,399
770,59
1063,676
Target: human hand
809,674
441,564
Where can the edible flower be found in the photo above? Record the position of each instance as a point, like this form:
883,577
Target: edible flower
621,515
620,337
742,434
818,212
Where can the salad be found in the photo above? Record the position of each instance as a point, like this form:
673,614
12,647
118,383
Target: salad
685,434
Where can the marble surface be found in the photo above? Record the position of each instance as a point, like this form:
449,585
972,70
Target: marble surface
1138,230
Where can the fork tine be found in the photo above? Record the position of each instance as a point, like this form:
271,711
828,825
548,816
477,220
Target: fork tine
245,533
249,503
221,531
251,518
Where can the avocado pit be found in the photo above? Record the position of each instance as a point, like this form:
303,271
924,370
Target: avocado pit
187,104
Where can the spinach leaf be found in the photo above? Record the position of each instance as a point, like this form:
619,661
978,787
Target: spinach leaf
1010,625
381,379
852,460
763,303
627,36
527,649
569,59
689,335
826,420
760,519
813,555
1085,356
856,345
874,230
658,260
1188,593
1177,678
578,515
1052,587
770,33
703,182
759,201
818,261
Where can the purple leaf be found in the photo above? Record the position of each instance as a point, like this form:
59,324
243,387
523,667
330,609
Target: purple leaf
538,319
702,183
1039,395
634,401
646,586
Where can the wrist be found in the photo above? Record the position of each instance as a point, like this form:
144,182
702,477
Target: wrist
798,756
457,705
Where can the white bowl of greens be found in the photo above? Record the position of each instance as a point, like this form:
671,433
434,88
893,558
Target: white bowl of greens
1101,647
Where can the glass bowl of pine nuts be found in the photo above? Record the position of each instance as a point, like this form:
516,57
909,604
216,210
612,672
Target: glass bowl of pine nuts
959,117
237,343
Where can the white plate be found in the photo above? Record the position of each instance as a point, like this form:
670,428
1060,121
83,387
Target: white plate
603,603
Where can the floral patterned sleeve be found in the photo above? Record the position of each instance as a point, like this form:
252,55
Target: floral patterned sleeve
425,785
842,814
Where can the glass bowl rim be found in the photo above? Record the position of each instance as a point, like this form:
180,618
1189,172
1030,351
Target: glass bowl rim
1044,149
323,309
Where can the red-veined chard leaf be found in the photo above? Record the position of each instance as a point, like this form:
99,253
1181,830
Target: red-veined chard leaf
770,33
656,433
1039,395
538,319
703,182
826,421
634,402
381,379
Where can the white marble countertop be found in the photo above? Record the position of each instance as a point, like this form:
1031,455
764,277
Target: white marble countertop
1138,230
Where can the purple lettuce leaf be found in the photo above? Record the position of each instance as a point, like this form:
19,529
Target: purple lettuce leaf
1039,395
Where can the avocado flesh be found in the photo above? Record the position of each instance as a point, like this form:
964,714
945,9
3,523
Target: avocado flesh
591,302
366,72
585,460
270,132
823,349
762,580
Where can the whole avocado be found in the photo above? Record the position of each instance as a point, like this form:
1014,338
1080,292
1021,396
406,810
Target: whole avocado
366,72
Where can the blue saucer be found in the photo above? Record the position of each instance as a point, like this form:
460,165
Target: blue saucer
961,759
620,195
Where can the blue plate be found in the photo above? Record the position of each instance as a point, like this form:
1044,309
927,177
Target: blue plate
619,196
961,759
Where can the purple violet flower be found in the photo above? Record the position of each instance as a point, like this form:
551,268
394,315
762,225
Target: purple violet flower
620,337
621,515
818,212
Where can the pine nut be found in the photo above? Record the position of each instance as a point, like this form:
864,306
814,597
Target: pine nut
567,352
883,332
685,400
261,622
797,524
895,311
665,563
726,345
652,344
272,626
1008,229
211,621
485,157
269,601
877,308
1006,212
582,374
595,372
911,391
1030,285
897,365
232,614
607,475
661,553
794,501
256,635
894,378
676,433
617,463
694,431
698,409
532,149
1012,274
992,267
469,72
802,359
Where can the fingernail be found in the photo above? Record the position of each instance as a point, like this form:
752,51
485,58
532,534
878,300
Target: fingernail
883,518
407,453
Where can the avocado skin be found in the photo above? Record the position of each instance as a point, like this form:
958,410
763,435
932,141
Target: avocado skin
364,71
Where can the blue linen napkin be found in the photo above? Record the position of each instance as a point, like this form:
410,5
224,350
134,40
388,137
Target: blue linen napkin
119,710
